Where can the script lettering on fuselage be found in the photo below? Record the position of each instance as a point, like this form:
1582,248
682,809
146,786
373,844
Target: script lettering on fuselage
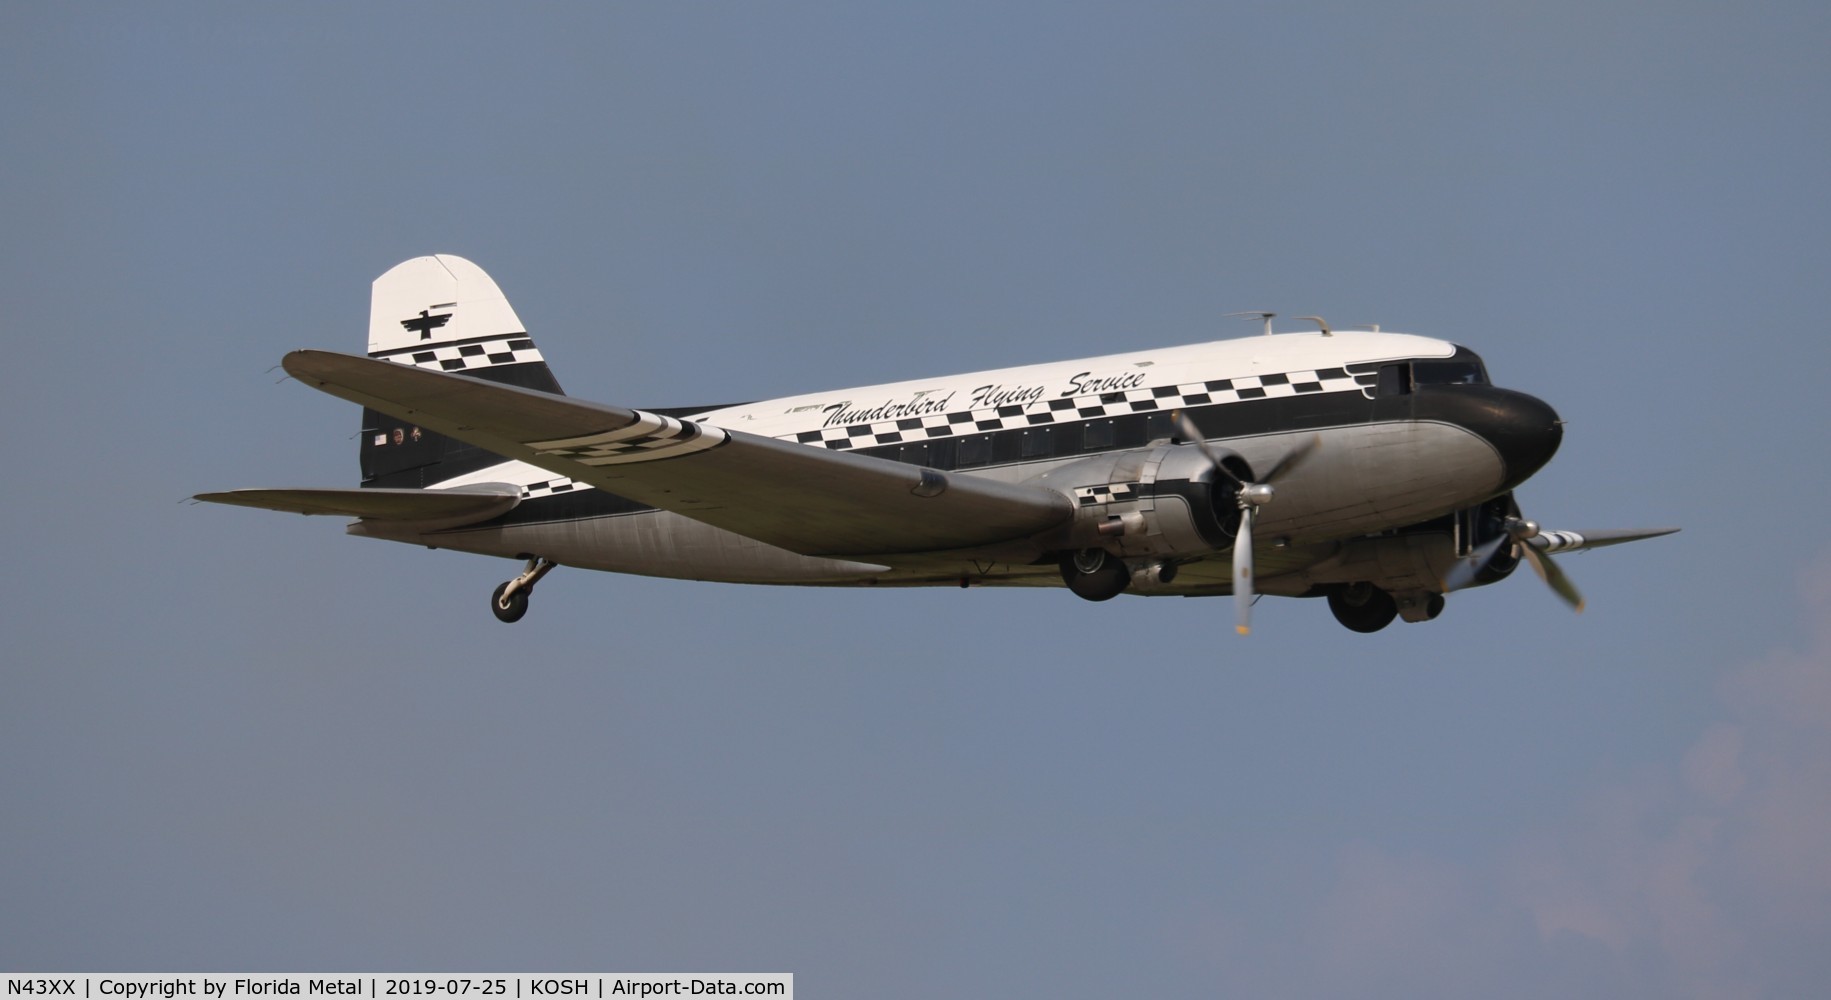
922,404
986,397
1087,384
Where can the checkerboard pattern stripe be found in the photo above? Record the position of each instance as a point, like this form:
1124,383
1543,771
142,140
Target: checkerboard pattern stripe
650,438
1088,496
483,352
1051,411
551,487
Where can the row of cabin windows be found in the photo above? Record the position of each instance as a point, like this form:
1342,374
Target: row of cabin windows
970,451
1134,430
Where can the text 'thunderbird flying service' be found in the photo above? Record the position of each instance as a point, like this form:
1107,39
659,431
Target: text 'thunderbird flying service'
1372,469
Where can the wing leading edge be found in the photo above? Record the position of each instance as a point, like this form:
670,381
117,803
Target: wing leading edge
805,499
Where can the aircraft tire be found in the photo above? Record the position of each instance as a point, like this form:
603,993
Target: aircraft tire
511,608
1095,574
1363,607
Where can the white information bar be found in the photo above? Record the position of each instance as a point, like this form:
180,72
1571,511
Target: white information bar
390,986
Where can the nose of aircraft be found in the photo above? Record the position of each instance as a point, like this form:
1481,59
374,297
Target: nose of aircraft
1524,429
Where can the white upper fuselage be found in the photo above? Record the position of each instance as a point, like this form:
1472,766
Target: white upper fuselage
1137,375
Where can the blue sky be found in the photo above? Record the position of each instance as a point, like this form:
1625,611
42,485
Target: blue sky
237,741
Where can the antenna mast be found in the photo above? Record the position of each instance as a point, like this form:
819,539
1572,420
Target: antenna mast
1319,321
1264,316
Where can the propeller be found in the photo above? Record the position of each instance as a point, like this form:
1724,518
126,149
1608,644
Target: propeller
1524,536
1250,497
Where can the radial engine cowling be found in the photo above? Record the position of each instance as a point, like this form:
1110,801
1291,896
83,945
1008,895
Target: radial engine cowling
1419,557
1161,502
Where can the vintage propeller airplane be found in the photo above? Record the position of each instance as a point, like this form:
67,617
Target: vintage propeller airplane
1372,469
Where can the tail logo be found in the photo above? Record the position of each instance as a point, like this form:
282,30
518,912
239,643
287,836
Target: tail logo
426,323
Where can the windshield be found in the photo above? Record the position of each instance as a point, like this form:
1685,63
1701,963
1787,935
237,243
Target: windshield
1453,372
1462,368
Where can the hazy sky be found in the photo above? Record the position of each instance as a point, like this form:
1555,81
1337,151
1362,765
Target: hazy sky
232,740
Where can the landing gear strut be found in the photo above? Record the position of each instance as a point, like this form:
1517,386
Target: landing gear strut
1363,607
510,601
1095,574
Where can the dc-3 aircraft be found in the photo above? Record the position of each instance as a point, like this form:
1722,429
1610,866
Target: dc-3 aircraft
1371,469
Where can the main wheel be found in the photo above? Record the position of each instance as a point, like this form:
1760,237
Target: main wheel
1095,574
1363,607
512,607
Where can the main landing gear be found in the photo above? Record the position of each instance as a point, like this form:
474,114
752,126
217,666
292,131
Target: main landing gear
510,601
1095,574
1364,607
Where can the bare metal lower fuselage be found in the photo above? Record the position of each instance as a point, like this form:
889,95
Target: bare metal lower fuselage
1378,476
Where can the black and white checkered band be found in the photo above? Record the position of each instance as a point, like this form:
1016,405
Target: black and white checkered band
551,487
1051,411
650,438
463,355
1087,496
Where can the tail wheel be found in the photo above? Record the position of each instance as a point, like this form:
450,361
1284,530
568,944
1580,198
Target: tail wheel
1095,574
511,607
1363,607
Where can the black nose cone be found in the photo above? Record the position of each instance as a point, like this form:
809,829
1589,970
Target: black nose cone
1523,429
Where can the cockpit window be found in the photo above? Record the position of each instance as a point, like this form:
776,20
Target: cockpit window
1399,378
1448,373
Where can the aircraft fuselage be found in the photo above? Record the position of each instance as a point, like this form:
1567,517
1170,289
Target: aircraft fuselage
1407,429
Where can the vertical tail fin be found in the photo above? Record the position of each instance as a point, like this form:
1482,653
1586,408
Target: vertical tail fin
446,314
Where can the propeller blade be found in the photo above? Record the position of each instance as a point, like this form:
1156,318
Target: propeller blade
1578,541
1463,573
1297,456
1194,434
1554,577
1242,572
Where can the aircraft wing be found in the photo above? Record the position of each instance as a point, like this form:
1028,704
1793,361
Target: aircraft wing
798,497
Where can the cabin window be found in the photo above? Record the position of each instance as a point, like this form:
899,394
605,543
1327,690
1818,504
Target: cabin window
915,454
974,450
1159,425
1035,443
1128,432
1395,380
1098,436
1005,448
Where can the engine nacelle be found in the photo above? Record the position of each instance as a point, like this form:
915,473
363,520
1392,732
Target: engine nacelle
1417,558
1162,502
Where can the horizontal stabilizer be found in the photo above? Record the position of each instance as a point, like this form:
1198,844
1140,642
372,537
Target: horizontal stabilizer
448,508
